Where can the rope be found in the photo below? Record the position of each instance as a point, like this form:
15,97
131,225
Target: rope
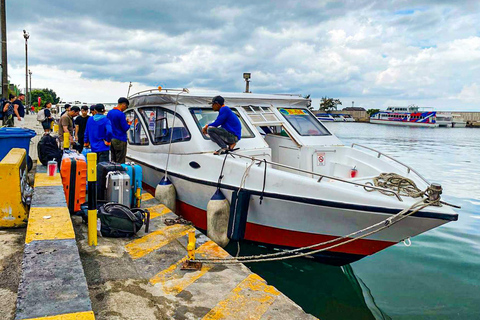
276,256
242,185
403,186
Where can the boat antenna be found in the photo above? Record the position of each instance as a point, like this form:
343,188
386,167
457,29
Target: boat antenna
184,90
129,86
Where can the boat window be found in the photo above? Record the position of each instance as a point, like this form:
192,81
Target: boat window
136,134
204,116
162,127
303,122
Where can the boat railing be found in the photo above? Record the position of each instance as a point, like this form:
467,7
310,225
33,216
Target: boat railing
321,176
379,154
166,90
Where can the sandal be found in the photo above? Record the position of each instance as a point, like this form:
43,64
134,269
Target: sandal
220,151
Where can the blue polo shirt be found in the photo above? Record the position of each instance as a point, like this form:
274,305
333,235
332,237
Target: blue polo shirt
228,121
119,124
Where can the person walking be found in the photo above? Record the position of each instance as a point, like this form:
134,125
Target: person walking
98,134
44,116
226,129
119,130
8,112
67,108
19,110
80,126
66,124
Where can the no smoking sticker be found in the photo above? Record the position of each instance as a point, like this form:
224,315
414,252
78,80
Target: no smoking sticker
321,158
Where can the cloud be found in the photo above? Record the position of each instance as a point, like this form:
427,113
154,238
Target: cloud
374,52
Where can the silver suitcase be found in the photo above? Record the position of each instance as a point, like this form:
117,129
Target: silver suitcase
118,188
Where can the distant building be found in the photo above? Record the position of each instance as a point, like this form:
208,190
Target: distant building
353,109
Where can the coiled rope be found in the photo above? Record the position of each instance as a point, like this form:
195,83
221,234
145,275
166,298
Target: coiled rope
403,186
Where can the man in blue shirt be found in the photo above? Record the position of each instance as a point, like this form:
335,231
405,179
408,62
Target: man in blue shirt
119,130
98,134
226,129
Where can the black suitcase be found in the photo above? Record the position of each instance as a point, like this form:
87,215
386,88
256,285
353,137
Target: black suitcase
103,168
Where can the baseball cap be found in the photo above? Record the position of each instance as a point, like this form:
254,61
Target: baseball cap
218,99
92,107
123,100
100,107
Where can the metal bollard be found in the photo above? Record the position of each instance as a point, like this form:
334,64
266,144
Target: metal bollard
189,264
66,141
92,198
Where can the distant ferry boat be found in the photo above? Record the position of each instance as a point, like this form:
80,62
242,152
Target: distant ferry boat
338,117
405,116
324,117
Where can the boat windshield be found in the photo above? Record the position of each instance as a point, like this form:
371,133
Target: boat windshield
303,122
204,116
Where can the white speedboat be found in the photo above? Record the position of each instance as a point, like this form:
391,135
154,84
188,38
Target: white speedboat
298,183
325,117
458,121
444,120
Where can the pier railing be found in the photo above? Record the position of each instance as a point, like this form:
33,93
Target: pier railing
379,154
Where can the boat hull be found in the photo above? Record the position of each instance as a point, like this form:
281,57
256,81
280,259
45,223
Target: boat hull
287,222
404,123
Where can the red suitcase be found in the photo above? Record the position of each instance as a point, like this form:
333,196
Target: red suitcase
74,180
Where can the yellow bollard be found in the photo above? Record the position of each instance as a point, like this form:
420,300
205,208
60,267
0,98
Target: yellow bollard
66,140
92,198
138,196
55,127
191,245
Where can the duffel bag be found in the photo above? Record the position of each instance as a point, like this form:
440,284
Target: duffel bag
119,221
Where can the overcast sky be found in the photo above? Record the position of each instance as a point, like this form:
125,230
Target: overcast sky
376,53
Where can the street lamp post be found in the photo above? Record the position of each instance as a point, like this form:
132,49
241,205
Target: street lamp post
26,36
30,86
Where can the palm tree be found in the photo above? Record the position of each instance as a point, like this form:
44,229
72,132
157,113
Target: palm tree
329,104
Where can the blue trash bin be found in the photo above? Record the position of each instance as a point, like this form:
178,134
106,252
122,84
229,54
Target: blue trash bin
15,138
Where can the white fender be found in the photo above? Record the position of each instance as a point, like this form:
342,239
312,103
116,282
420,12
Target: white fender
166,194
218,213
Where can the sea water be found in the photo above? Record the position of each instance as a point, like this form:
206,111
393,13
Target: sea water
437,277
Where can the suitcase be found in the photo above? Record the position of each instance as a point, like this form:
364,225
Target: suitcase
74,179
118,188
135,173
103,168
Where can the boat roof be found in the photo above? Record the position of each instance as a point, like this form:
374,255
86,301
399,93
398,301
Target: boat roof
169,96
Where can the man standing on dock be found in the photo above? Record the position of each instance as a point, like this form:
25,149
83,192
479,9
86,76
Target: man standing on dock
226,129
19,110
66,124
80,126
119,130
98,134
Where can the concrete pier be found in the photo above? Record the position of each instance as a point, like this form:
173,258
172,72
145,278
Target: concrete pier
138,278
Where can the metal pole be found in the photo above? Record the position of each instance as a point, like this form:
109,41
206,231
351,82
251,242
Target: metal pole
92,198
30,86
26,36
4,50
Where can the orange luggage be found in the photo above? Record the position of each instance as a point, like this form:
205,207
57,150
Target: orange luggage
74,180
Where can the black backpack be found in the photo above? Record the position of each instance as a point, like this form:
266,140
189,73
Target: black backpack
2,104
119,221
48,150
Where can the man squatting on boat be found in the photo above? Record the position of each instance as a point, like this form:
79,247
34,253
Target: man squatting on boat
226,129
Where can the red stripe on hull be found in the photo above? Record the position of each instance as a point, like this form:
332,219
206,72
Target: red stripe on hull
286,238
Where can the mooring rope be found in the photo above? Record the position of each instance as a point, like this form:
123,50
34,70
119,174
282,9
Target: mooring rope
403,186
348,238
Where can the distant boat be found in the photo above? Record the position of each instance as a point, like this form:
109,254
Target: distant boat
324,117
405,116
444,120
458,121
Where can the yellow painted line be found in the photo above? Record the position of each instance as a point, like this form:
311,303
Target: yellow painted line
146,196
49,223
249,300
88,315
173,280
158,210
43,180
155,240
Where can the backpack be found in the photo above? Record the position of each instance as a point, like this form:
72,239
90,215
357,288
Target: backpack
48,150
119,221
2,104
41,115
